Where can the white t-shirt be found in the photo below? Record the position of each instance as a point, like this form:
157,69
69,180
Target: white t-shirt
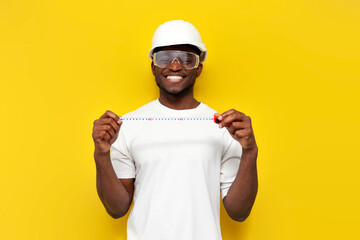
180,168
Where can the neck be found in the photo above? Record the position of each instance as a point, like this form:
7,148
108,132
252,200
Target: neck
178,102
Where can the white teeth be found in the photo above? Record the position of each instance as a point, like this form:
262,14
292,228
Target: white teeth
174,77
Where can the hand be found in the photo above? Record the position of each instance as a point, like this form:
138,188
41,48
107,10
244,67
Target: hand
106,131
239,127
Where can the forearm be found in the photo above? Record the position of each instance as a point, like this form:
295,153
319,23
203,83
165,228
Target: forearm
111,191
242,193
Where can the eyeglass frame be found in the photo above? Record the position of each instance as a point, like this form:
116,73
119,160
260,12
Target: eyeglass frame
196,55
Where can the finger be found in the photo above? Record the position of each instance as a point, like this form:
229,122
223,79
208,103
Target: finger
228,112
231,112
243,133
108,129
97,135
102,135
114,124
227,121
110,114
111,122
106,136
240,125
235,116
234,126
231,129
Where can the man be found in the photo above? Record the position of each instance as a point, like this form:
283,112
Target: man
176,165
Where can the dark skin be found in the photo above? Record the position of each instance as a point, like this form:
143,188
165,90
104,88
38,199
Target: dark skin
117,194
178,95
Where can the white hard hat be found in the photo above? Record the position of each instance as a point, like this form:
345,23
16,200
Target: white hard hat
177,32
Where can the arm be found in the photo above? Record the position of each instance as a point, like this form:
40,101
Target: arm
116,195
242,193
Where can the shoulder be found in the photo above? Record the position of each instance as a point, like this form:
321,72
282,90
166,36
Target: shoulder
142,111
204,110
130,126
208,109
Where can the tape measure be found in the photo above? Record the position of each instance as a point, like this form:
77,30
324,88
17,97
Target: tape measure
215,119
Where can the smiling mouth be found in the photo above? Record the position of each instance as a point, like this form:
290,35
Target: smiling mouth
174,78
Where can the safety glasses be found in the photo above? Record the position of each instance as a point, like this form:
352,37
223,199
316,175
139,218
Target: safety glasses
188,60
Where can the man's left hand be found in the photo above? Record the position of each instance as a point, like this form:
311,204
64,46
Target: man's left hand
239,127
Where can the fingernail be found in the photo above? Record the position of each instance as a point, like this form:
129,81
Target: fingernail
220,117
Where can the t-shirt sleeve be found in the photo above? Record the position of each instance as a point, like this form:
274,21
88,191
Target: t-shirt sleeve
121,160
230,162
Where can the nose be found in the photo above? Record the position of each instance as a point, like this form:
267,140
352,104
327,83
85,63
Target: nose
175,65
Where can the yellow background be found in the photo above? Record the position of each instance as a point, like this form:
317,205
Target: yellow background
292,66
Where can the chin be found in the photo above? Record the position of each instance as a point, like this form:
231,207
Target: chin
181,88
176,91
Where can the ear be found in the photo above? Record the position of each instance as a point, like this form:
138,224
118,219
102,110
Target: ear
153,68
199,69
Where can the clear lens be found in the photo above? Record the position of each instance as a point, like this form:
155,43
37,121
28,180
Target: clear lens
188,60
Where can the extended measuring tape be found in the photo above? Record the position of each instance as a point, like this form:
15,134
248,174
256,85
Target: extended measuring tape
215,119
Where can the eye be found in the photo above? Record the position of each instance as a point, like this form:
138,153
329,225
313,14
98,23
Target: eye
163,60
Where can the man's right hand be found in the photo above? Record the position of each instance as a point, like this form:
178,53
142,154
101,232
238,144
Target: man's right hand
106,131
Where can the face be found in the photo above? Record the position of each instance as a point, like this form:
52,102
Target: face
175,79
